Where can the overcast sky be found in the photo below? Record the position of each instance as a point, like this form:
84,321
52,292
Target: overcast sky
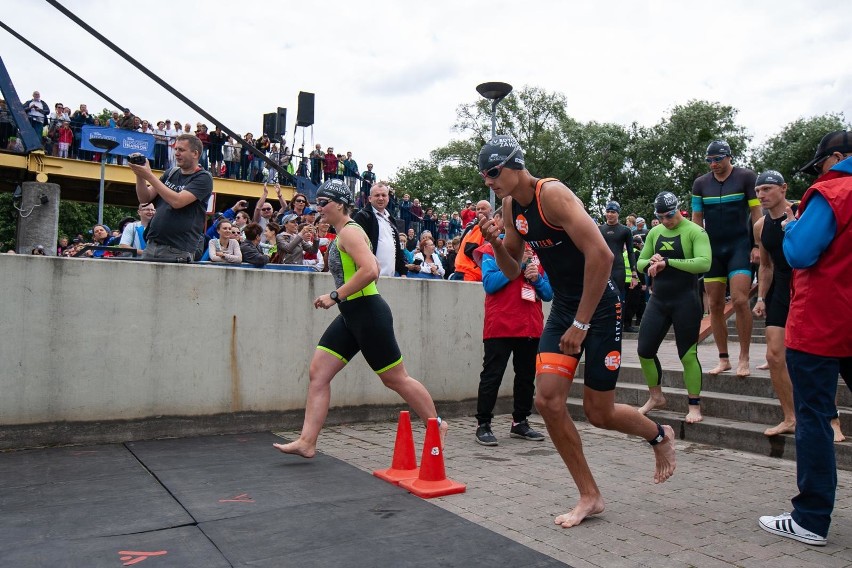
389,75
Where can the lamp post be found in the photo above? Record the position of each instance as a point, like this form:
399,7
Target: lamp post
495,92
107,145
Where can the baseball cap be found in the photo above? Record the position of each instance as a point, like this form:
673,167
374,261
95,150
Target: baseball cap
289,217
718,148
665,202
769,177
308,211
335,190
498,149
613,206
837,141
640,220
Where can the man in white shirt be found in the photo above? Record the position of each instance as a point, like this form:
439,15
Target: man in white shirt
380,227
132,237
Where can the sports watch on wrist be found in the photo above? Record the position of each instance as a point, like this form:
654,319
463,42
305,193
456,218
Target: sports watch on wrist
334,296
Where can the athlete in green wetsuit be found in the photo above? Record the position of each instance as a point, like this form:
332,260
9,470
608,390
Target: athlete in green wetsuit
365,324
723,202
676,253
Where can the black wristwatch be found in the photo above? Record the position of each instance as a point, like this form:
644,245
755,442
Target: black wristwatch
334,296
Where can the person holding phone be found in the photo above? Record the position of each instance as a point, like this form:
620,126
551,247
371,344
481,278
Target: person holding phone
466,267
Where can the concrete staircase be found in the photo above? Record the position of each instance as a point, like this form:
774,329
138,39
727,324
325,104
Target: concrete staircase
758,333
736,410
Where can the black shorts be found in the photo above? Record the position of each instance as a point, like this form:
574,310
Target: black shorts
729,259
603,340
365,324
778,302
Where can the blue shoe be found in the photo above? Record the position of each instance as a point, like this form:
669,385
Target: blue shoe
522,430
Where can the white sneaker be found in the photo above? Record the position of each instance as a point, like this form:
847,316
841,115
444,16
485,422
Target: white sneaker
784,525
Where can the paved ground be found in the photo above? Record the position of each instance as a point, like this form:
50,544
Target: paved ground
705,516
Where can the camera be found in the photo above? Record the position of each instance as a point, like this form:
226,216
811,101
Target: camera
137,159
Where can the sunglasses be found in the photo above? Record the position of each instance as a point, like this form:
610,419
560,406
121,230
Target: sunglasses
299,201
668,215
714,159
494,172
266,208
322,202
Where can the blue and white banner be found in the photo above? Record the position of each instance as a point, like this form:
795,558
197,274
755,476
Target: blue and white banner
129,141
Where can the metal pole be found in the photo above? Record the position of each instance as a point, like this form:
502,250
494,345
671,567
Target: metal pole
101,193
493,134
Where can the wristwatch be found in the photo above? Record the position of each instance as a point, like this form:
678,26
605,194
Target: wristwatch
334,296
581,326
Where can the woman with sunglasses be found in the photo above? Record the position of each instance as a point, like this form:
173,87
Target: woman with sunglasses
676,253
365,324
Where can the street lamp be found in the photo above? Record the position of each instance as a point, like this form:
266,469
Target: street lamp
495,92
107,145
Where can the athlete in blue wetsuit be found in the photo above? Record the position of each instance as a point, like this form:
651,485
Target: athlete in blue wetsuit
585,317
722,202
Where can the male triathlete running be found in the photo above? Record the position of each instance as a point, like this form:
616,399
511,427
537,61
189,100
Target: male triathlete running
586,314
722,201
619,238
676,253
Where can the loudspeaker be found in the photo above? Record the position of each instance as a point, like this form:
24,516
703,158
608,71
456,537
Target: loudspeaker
269,124
305,115
281,123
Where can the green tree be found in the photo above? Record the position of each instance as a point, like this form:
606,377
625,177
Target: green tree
793,147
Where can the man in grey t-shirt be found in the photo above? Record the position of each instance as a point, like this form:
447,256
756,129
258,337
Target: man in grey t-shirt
180,196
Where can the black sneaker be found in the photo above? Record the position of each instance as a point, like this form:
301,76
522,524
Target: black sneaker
485,436
522,430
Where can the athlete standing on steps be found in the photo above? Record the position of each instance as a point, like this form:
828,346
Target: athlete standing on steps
619,238
676,253
722,201
773,289
586,314
365,323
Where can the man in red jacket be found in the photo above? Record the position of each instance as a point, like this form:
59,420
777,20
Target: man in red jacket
818,338
517,336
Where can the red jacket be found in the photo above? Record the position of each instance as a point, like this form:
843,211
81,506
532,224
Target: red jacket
507,314
820,306
467,215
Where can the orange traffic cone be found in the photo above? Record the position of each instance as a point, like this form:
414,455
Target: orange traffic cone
404,463
432,481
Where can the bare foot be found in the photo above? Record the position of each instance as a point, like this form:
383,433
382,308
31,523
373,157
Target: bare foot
762,366
443,431
664,452
652,404
743,369
694,414
835,425
586,507
783,428
724,365
297,448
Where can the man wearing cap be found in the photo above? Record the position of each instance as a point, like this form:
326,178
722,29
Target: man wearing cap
468,214
818,339
381,229
641,228
773,289
723,200
585,316
676,253
619,238
127,121
180,197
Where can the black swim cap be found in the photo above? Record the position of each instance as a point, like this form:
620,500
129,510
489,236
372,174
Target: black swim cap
718,148
498,149
769,177
613,206
336,190
665,202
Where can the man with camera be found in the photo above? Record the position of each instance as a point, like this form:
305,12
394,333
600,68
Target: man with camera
180,197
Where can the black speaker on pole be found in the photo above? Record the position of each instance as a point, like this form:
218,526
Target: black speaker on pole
305,115
269,124
281,123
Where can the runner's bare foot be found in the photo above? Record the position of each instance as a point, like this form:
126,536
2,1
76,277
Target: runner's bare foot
652,404
835,425
762,366
743,369
694,414
443,431
297,448
586,507
783,428
664,452
724,365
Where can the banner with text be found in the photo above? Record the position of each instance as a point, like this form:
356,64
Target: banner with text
129,141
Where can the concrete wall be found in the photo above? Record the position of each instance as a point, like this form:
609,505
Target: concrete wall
96,350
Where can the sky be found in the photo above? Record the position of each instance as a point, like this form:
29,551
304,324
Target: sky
389,75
